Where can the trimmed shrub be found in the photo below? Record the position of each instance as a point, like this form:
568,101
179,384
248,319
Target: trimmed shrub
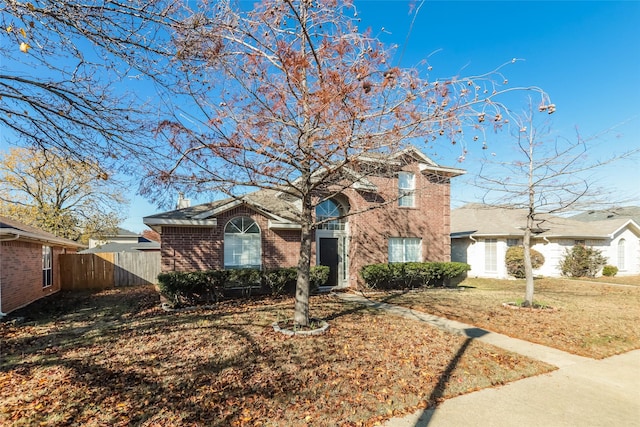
514,259
318,276
280,281
582,261
197,287
186,288
609,270
411,274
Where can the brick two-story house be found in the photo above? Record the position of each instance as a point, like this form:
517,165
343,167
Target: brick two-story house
29,263
401,215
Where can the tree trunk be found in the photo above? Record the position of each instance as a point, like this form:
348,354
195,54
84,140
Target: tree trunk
528,268
301,313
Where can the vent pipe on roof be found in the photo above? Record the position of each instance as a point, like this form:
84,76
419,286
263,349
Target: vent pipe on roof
182,202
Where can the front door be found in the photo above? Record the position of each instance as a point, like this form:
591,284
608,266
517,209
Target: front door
329,257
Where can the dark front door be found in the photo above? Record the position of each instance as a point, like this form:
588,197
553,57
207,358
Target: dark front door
329,257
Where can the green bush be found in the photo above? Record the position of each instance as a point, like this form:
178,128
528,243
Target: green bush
189,288
280,281
185,288
318,276
514,259
582,261
411,274
609,270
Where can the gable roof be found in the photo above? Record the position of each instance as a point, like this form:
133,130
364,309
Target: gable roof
11,229
280,212
631,212
498,221
281,209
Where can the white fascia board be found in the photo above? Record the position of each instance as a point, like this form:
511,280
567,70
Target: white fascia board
19,234
180,222
631,224
277,225
450,171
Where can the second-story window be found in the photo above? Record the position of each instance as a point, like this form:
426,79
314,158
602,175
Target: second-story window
406,189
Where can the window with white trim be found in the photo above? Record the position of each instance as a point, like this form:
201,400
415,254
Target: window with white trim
242,243
491,255
325,211
406,189
621,254
513,242
47,266
405,249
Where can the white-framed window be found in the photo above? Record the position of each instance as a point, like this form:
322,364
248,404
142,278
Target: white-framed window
491,255
242,243
47,266
326,210
406,189
621,254
513,242
405,249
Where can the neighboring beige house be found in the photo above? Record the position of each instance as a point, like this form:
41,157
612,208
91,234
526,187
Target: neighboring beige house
260,230
120,236
481,234
121,241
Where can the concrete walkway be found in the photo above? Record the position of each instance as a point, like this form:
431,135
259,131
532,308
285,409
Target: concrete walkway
582,392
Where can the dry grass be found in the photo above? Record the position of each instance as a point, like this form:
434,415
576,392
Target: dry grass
590,319
114,358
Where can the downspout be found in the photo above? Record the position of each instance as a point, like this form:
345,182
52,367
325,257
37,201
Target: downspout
16,237
472,239
545,239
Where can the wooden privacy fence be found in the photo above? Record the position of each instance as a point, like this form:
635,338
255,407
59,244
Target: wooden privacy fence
106,270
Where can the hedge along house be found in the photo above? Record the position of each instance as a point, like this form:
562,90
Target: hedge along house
396,216
29,264
481,235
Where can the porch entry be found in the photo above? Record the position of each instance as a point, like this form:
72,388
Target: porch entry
328,255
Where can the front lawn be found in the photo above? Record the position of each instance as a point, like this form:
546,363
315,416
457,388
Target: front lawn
590,318
114,358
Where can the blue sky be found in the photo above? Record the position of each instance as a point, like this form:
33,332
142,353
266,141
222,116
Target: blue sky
584,54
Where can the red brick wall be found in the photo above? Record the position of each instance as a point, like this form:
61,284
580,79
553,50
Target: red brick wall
21,274
428,220
188,249
191,249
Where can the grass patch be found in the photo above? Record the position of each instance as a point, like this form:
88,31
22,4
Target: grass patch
115,358
590,319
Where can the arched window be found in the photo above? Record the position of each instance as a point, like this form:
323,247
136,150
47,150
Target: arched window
327,210
621,251
242,243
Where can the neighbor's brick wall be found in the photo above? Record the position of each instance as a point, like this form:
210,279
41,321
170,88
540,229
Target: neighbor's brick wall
21,274
429,220
192,249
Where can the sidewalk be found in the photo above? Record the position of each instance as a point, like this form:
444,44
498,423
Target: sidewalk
582,392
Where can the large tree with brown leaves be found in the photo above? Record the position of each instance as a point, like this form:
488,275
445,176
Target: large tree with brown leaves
291,94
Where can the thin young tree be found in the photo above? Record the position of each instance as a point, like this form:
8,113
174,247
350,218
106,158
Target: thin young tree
291,96
547,175
65,197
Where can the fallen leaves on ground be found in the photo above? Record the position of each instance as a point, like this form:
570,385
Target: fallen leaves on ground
115,358
588,318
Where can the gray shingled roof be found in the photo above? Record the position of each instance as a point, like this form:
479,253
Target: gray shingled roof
267,200
632,212
123,247
12,227
279,205
485,220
